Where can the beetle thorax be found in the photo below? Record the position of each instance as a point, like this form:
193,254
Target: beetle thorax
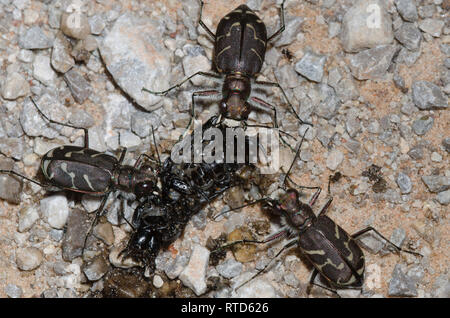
236,91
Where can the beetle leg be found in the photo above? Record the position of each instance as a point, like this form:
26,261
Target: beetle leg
98,213
122,214
210,75
200,21
122,155
240,207
325,207
86,134
26,178
275,84
311,283
398,248
285,247
282,27
194,94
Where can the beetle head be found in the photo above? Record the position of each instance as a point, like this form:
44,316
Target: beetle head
234,107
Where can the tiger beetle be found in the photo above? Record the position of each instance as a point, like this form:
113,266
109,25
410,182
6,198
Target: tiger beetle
84,170
240,45
334,253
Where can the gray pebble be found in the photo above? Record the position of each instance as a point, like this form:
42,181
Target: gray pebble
15,86
311,66
446,144
292,29
409,35
42,71
441,287
436,183
96,269
432,26
372,63
328,102
34,38
372,242
78,225
407,9
353,126
28,258
230,268
422,125
10,187
13,291
286,76
427,95
75,25
141,123
55,210
80,88
27,217
194,274
334,159
404,183
97,24
400,284
416,152
398,236
61,59
444,197
407,57
358,34
199,220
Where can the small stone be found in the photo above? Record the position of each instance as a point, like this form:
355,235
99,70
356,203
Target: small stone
25,56
334,159
416,153
130,140
78,225
62,61
444,197
230,268
432,26
404,183
194,275
118,261
42,71
422,125
96,269
427,95
13,291
441,287
416,273
256,288
135,55
194,64
75,25
15,86
353,126
56,210
174,269
28,258
80,88
436,157
104,231
34,38
142,123
291,280
158,281
446,144
242,252
407,9
349,293
97,24
366,24
81,118
409,35
372,63
400,284
292,29
436,183
286,76
10,187
398,236
199,220
311,66
327,101
27,217
372,242
407,57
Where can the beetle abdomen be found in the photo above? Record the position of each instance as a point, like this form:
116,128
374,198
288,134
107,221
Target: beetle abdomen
240,43
79,169
332,262
77,176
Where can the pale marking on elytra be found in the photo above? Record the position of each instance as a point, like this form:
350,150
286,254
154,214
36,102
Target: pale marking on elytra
254,33
336,228
315,252
68,154
45,164
223,50
350,257
228,34
97,154
71,174
50,153
360,271
329,262
237,11
256,53
85,177
250,12
349,282
259,21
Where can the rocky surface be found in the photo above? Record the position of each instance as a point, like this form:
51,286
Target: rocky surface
372,76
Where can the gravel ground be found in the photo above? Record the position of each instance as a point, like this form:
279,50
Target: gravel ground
372,76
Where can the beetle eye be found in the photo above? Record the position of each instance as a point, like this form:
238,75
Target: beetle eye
143,188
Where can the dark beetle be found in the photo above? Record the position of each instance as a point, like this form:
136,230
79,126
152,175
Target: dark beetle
81,169
239,48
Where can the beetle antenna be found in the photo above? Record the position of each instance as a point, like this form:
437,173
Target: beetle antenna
297,154
156,146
